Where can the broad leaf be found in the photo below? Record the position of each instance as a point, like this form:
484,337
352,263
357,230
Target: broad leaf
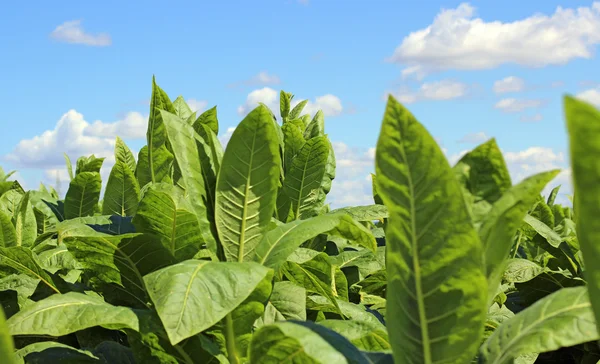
247,185
83,195
208,118
182,109
183,139
304,179
583,124
504,219
142,169
124,155
562,319
279,243
8,235
437,289
25,222
119,261
177,227
62,314
160,159
24,261
122,192
193,295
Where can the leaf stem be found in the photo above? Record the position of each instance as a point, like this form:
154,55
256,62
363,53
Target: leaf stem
232,354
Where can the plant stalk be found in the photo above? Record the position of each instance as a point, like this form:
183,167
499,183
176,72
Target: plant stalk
232,354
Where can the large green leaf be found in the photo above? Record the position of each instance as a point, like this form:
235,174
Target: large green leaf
8,235
182,109
247,185
182,137
285,98
124,155
89,164
302,342
437,288
287,302
488,176
293,139
210,153
193,295
562,319
62,314
160,159
83,195
315,275
120,261
25,222
212,148
583,124
297,110
316,127
288,342
279,243
363,336
9,202
208,118
236,330
164,214
304,179
142,168
122,192
504,219
24,261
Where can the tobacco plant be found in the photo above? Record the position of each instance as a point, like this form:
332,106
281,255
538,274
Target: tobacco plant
199,253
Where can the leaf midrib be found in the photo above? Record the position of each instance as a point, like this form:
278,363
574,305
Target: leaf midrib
416,265
245,206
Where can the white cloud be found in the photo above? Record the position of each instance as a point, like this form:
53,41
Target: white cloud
512,105
69,135
474,138
509,84
458,40
592,96
330,104
438,90
197,105
76,137
133,126
73,32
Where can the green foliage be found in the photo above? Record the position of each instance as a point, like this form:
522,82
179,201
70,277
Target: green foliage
204,254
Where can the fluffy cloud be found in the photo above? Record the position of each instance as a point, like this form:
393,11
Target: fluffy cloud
474,138
197,105
458,40
592,96
438,90
132,126
509,84
512,105
70,136
73,32
330,104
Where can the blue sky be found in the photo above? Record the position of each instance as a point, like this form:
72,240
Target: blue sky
79,73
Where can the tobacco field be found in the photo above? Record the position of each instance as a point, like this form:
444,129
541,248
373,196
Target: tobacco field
195,252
